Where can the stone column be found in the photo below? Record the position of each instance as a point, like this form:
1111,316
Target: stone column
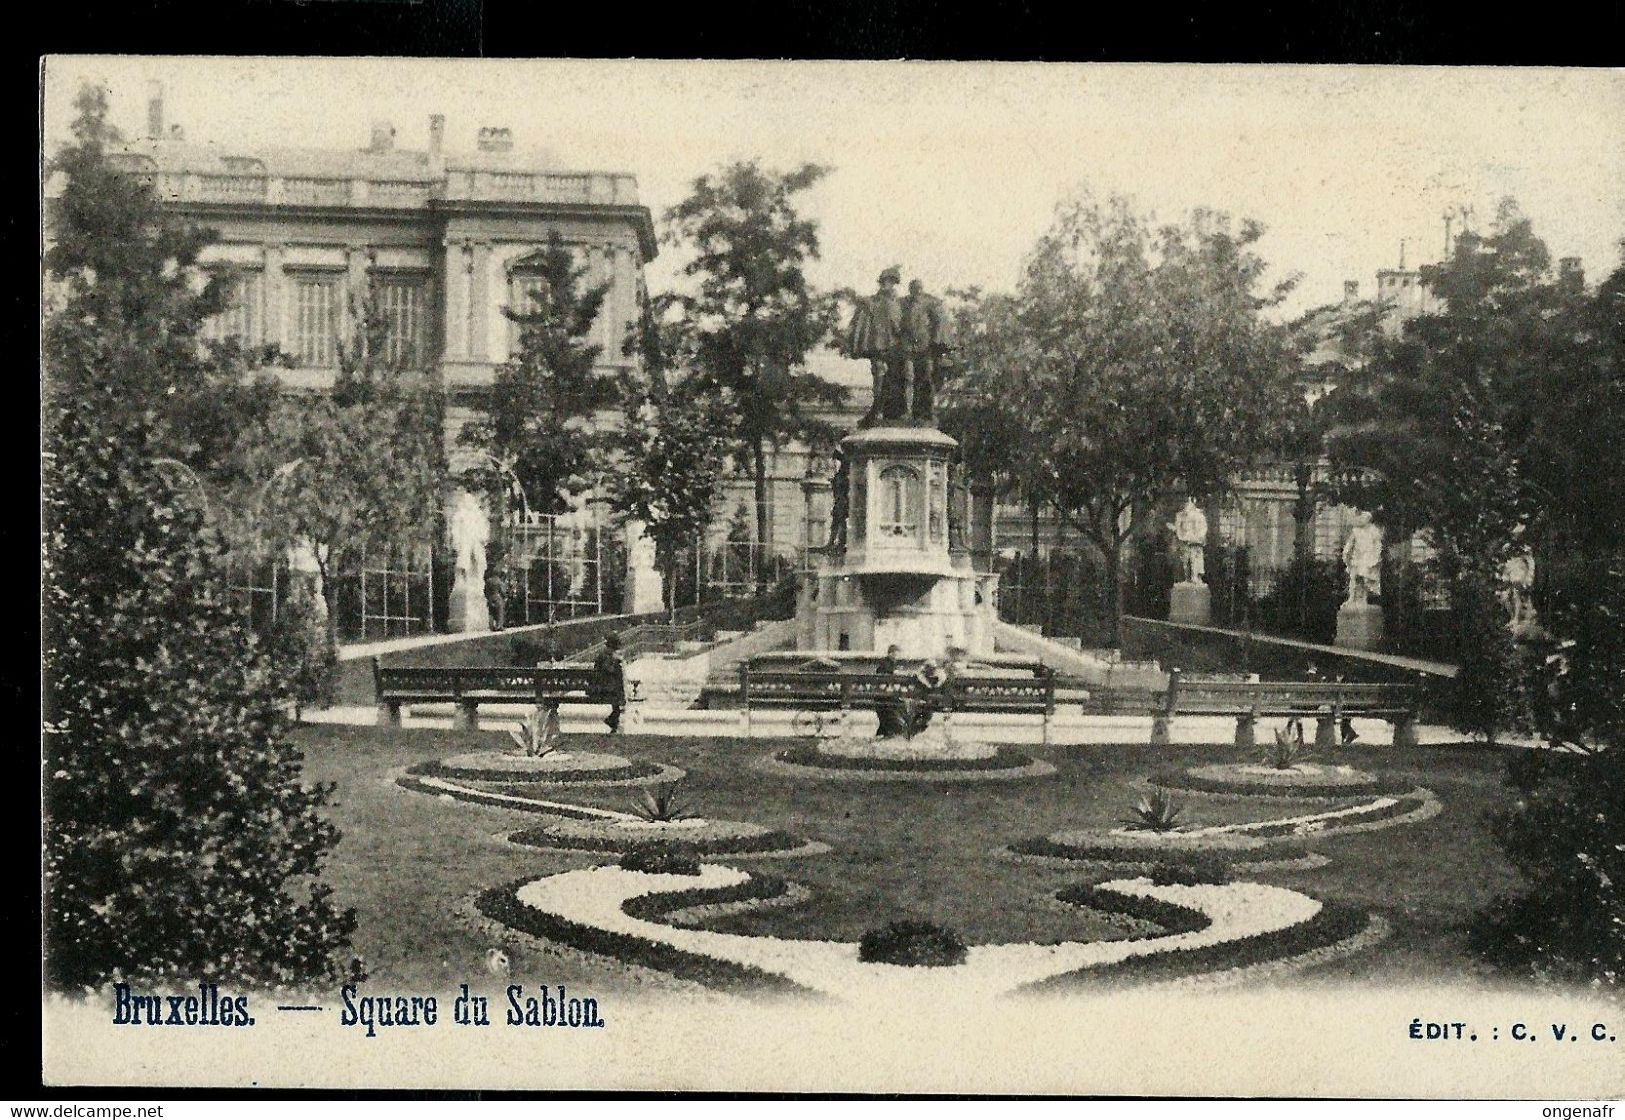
643,592
479,313
454,302
276,295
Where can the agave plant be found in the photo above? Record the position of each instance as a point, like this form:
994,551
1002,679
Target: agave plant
1156,812
1286,752
539,734
660,804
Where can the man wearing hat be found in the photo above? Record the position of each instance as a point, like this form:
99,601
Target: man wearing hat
874,334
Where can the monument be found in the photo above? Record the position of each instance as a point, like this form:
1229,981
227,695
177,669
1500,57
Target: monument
1191,601
643,591
894,572
1517,582
470,533
1359,620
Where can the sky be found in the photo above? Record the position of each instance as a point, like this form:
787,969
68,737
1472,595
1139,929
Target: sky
953,170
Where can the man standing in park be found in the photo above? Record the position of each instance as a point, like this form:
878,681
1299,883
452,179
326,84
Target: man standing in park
611,681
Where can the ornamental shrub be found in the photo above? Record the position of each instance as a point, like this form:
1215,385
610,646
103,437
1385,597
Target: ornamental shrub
912,942
180,840
302,648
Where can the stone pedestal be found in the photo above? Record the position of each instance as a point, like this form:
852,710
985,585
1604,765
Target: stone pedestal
1191,603
1359,626
466,609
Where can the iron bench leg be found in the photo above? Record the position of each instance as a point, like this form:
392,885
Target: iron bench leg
389,714
1245,737
1159,728
1405,730
1325,731
467,717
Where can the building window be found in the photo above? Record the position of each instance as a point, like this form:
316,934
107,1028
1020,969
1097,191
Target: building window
316,302
402,302
899,502
525,293
244,316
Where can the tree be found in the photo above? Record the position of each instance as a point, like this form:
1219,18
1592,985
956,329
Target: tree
127,308
1152,371
755,318
180,840
536,420
356,469
673,451
1491,424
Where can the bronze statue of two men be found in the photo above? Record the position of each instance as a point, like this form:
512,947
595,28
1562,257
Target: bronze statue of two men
907,342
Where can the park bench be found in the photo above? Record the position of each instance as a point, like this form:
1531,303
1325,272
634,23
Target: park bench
1326,702
467,687
805,690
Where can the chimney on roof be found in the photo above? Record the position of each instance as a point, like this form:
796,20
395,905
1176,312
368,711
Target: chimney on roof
496,140
437,133
383,136
155,110
1351,291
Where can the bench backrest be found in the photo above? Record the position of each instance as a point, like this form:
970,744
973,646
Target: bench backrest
1347,696
849,690
545,682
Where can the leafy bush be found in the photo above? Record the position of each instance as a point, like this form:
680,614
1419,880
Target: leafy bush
1487,697
180,840
1566,829
659,859
303,649
914,943
662,803
1156,812
1304,600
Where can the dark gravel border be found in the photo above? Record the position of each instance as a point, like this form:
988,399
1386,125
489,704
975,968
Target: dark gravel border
771,841
1149,857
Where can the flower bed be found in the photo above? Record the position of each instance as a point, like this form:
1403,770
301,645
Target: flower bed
609,910
502,904
1416,805
560,769
1306,780
1330,925
691,837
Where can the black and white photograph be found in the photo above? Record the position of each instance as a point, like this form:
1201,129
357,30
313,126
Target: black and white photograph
833,577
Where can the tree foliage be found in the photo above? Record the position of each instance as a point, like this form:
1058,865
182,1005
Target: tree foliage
536,421
754,317
180,840
1138,362
357,469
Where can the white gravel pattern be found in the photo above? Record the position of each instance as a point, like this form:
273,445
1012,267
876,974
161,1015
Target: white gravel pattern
594,897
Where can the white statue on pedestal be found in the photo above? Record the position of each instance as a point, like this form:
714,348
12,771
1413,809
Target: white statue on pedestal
1362,557
1517,577
470,533
643,588
1190,529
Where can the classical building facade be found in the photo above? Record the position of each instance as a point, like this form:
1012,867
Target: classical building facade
443,238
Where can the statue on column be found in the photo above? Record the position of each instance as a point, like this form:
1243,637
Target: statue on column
1190,530
1517,579
1362,558
927,336
874,334
840,503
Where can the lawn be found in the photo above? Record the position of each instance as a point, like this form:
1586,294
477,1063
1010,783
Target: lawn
929,850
